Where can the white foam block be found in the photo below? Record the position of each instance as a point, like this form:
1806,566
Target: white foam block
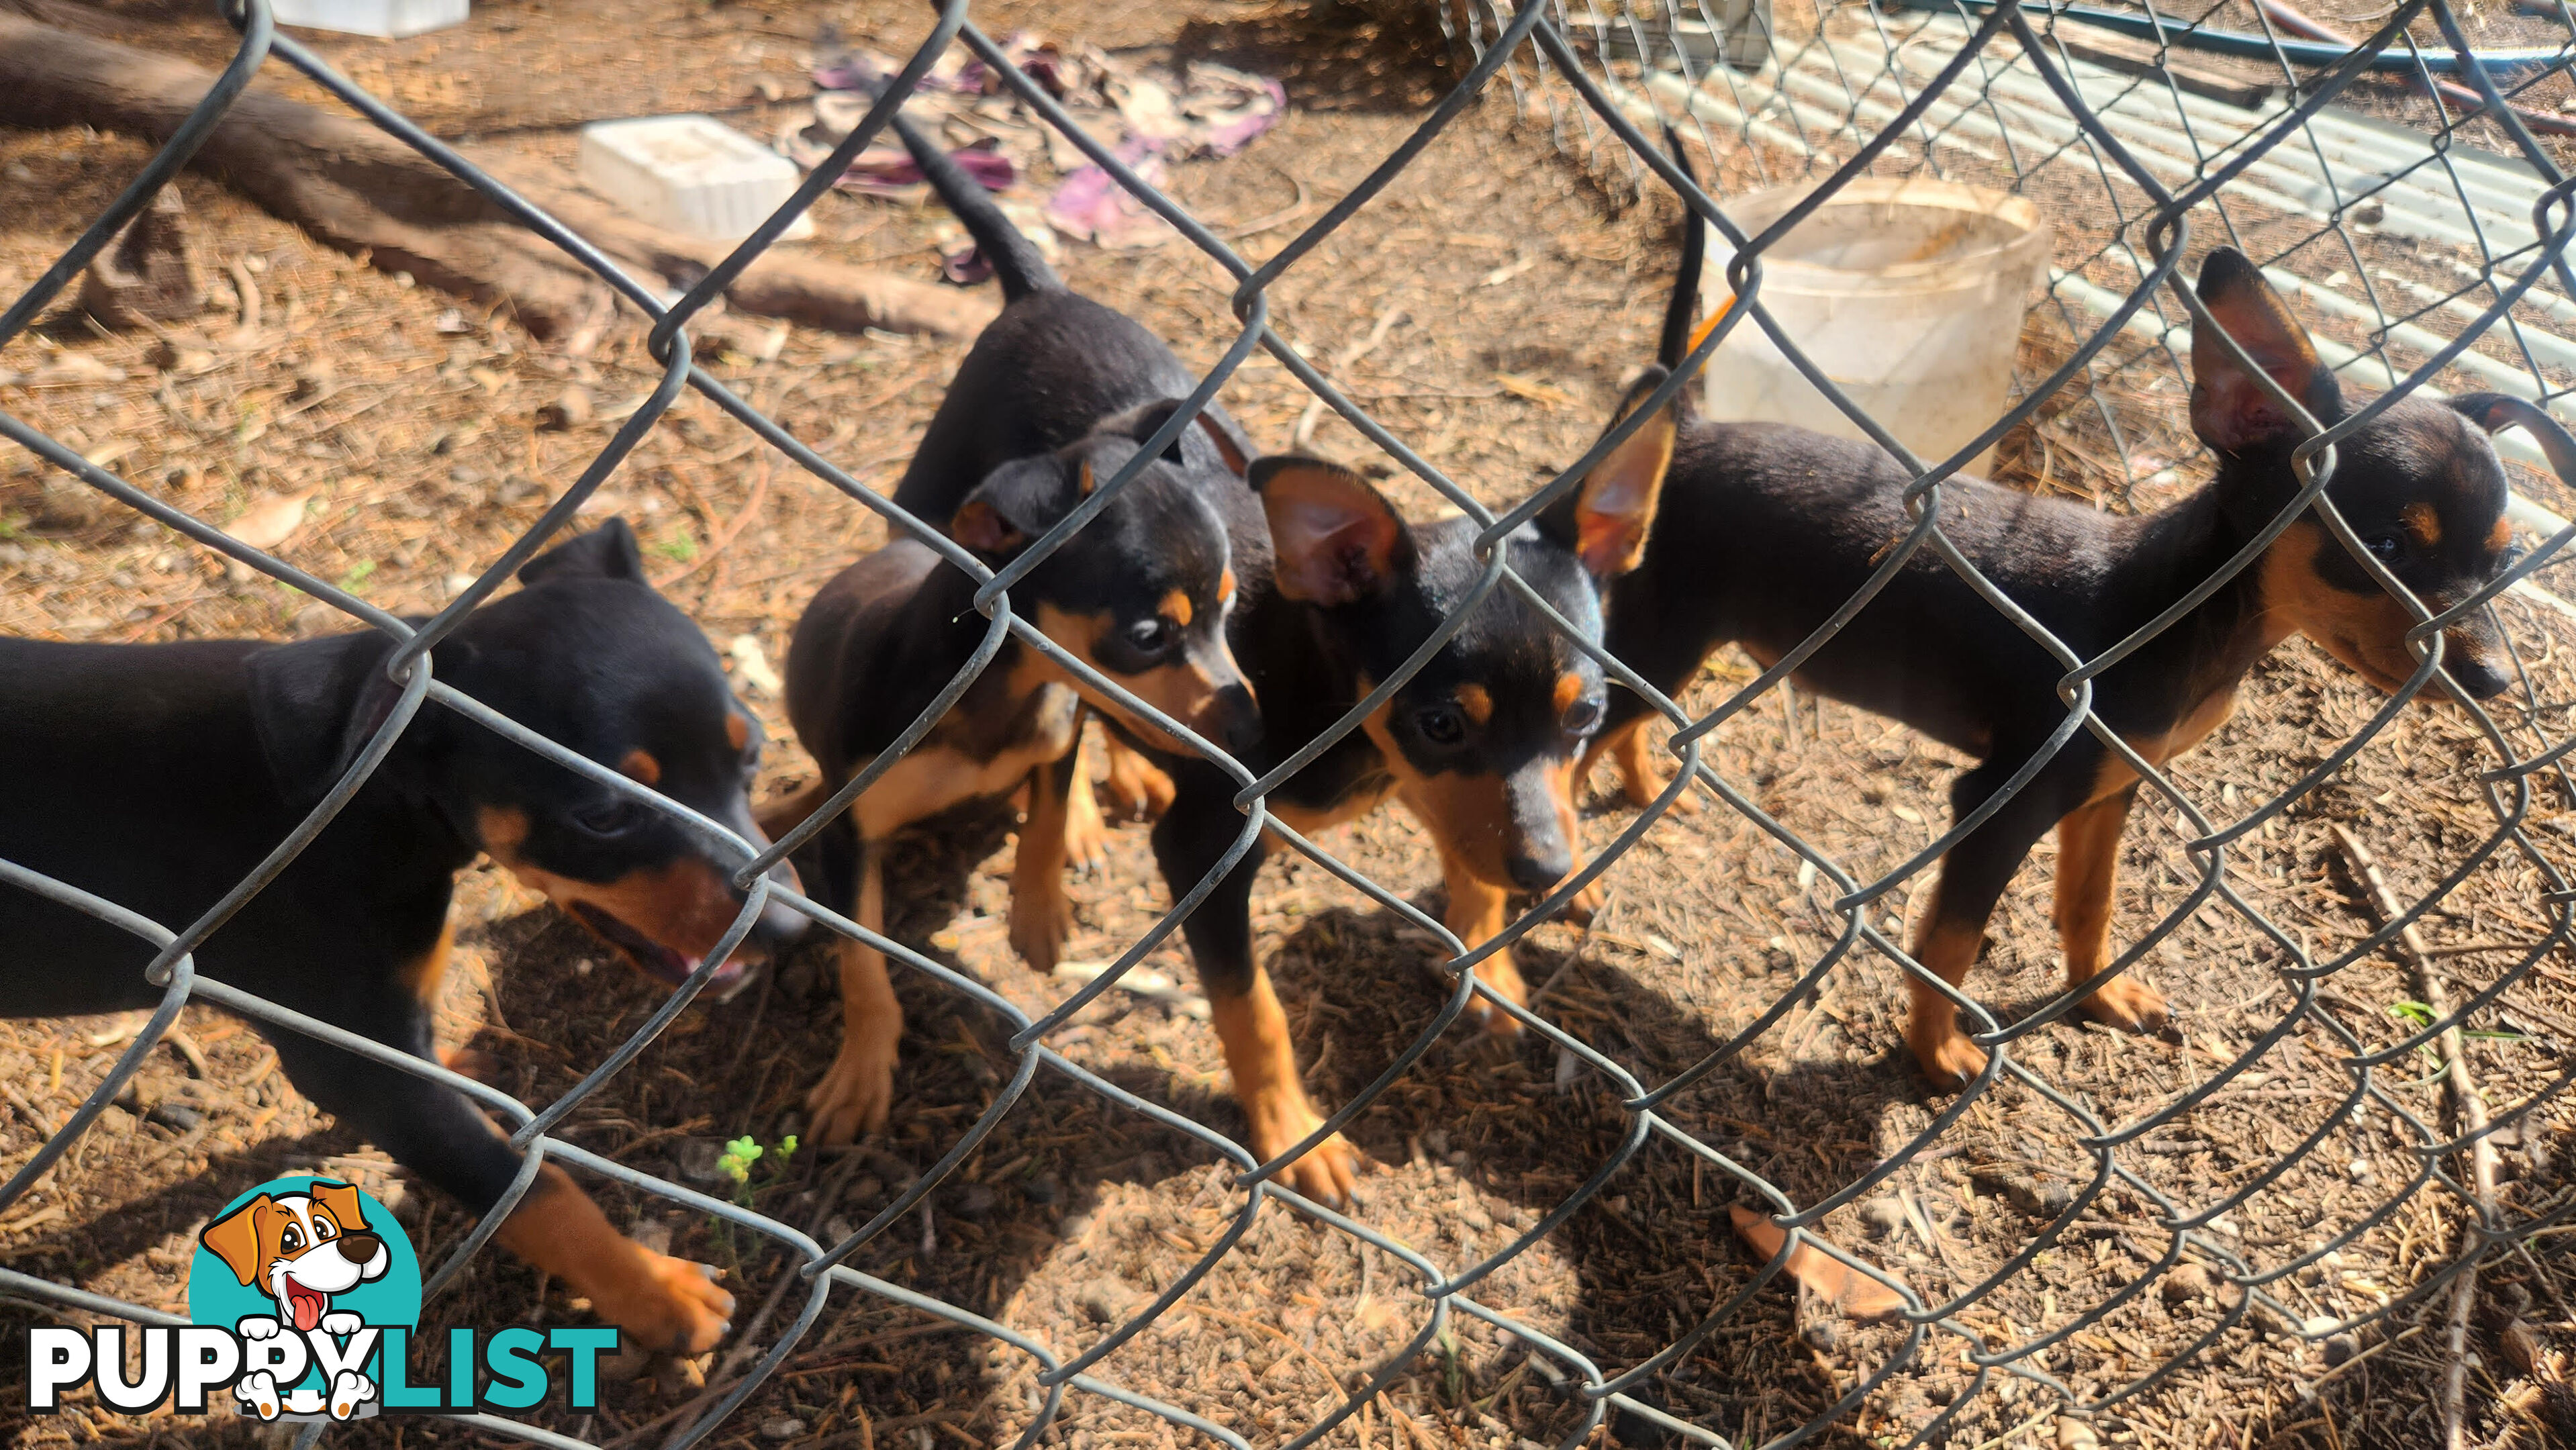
687,174
385,19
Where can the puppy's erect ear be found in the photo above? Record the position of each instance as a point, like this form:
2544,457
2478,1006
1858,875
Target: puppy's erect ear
317,702
236,1239
2229,409
1140,422
1606,519
1015,503
606,552
981,527
344,1205
1336,539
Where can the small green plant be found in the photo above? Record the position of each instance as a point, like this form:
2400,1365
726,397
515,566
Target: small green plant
2417,1016
678,547
735,1163
743,1152
356,579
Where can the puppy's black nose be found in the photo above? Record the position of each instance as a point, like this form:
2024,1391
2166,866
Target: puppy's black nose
359,1248
1536,874
2482,680
1242,721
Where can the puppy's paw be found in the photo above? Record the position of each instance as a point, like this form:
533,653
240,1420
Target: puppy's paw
1947,1057
341,1324
1137,788
1503,975
1328,1172
257,1326
2128,1004
855,1095
669,1305
1040,922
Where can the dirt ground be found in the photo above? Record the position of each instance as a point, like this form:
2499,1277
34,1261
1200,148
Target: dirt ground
1523,300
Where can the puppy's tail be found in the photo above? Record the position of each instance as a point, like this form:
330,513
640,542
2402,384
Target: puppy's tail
1684,308
1014,257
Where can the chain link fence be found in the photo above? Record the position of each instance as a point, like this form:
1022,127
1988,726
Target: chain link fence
2431,263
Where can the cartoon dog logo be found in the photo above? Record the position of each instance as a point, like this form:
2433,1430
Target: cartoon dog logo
300,1249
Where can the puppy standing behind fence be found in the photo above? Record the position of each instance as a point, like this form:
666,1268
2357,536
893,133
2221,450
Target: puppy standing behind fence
1767,529
158,776
1480,745
1056,396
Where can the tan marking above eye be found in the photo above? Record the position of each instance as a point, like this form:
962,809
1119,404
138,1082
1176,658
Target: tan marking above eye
1176,608
2500,537
1569,688
640,765
503,830
738,730
1476,702
2422,522
1225,587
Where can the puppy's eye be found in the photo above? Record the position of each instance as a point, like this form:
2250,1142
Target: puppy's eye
609,817
1151,635
290,1238
323,1228
1440,724
2385,547
1583,717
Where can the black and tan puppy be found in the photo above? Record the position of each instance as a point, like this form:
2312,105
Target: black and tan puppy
1768,529
1480,745
1054,399
157,776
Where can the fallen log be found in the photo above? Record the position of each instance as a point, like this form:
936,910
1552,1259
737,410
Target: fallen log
353,187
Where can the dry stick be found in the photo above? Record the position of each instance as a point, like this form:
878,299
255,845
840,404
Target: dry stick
2472,1111
1306,421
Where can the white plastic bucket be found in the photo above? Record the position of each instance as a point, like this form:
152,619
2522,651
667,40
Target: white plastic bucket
1907,294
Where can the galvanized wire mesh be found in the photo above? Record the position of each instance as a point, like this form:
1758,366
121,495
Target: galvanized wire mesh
1989,93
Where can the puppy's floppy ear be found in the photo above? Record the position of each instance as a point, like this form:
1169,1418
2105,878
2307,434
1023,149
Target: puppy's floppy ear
347,1210
1140,422
316,703
1606,518
2229,409
606,552
1336,539
1015,503
236,1239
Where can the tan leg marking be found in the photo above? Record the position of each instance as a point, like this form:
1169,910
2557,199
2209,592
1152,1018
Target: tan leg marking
667,1304
788,812
1947,1057
2088,868
1643,775
1264,1063
1138,788
1041,914
1476,915
1086,836
857,1092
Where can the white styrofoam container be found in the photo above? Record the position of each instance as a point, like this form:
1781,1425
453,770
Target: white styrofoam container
686,174
385,19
